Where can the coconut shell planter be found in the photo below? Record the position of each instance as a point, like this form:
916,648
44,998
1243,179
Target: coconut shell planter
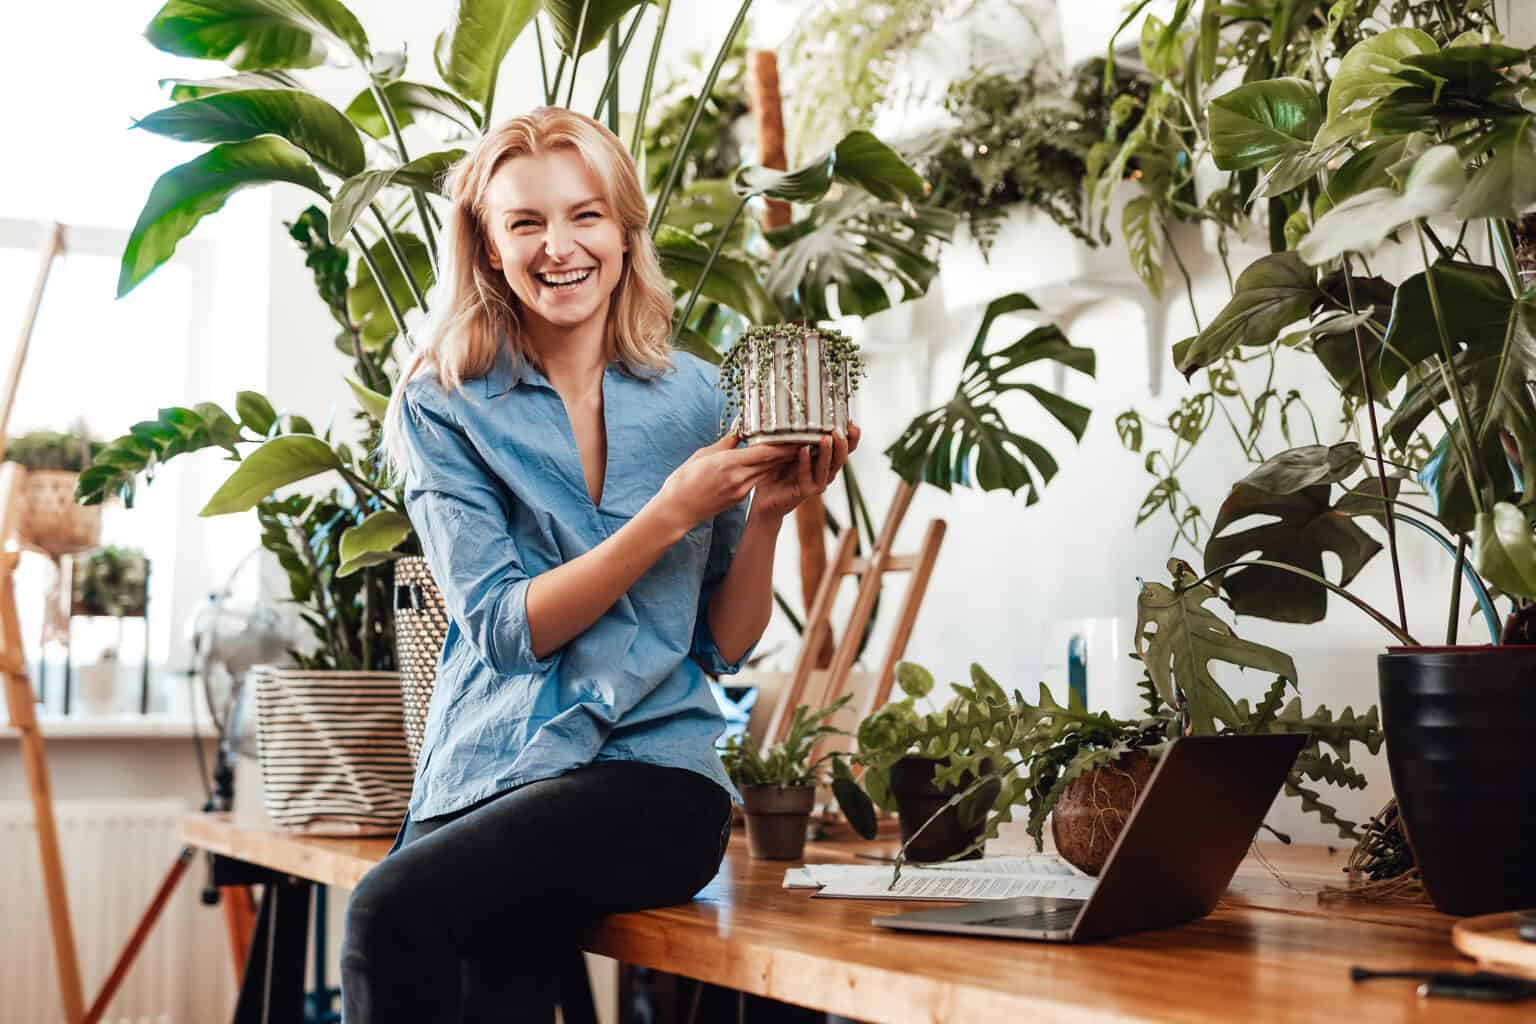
791,384
1094,808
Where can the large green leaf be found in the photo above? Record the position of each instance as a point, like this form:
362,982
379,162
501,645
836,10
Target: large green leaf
601,15
1504,552
302,118
1263,121
1186,639
1274,292
277,463
1505,184
732,281
703,208
1141,224
1478,311
151,443
410,101
859,159
860,249
966,440
368,400
424,174
372,541
1363,221
470,50
1292,491
186,194
1372,68
250,35
1468,69
365,302
196,88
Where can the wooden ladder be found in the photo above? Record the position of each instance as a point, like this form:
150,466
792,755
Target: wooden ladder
871,571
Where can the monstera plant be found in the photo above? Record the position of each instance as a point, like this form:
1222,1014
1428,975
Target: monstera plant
370,240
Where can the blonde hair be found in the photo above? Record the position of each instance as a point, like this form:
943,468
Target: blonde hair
475,311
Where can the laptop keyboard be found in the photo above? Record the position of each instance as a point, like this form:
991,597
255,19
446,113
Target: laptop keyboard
1039,920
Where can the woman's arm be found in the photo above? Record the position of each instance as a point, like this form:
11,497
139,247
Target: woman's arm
565,600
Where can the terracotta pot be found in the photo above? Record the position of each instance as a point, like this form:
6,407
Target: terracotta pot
1094,808
777,819
917,800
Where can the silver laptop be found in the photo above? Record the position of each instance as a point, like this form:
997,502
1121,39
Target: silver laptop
1174,858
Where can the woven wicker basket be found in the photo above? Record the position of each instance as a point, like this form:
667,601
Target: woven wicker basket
50,521
421,627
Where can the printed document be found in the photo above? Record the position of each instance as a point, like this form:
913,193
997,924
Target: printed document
998,878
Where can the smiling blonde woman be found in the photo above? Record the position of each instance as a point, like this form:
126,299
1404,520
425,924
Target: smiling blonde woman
598,552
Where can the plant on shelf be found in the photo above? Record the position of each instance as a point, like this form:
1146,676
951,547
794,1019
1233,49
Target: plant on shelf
778,782
111,581
1411,141
69,452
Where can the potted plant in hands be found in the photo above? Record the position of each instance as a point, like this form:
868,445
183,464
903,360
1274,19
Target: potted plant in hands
778,783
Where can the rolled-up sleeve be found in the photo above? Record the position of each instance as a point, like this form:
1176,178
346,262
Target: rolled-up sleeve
463,516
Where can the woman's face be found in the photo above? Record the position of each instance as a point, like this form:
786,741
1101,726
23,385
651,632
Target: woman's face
554,237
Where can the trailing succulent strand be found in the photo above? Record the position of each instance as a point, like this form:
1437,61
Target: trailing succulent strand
838,353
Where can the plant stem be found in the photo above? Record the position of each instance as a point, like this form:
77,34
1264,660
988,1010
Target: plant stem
559,77
650,75
1455,613
1391,627
1189,290
538,36
388,111
1381,469
399,254
709,264
581,29
379,279
676,169
1452,385
362,484
610,93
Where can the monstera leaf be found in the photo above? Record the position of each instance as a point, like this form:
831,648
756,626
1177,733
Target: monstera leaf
1482,317
1292,491
1178,638
250,35
859,249
944,444
302,118
1274,292
470,50
1361,222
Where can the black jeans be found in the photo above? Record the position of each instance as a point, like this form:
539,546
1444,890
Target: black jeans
470,918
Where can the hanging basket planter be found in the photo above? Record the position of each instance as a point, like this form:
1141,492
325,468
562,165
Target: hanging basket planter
48,519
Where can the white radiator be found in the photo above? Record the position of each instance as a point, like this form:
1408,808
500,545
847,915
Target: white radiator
116,853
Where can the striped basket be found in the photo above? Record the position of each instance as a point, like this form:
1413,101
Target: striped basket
333,754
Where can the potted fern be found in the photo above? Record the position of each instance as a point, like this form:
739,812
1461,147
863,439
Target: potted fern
778,782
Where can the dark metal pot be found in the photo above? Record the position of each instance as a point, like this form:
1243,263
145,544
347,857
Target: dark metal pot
1460,724
917,800
777,818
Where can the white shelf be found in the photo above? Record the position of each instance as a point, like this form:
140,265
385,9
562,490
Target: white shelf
115,727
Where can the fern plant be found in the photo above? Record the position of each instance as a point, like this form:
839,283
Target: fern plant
788,763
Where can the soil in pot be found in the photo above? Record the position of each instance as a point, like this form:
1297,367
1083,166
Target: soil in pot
1094,808
777,819
917,800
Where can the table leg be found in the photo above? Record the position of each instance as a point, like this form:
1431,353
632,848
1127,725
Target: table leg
272,990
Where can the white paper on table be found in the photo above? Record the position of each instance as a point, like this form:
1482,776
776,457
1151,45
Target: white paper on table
928,884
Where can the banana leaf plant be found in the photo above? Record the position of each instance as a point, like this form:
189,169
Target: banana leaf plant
370,240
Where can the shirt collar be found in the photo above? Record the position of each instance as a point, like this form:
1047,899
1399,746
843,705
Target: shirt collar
508,372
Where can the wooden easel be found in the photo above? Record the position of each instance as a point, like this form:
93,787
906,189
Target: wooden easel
13,666
871,571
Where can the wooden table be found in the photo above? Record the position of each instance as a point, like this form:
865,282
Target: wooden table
1270,951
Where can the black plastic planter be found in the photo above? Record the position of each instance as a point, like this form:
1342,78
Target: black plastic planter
917,800
1460,724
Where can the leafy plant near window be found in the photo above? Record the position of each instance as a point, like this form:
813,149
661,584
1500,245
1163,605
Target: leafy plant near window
111,580
70,451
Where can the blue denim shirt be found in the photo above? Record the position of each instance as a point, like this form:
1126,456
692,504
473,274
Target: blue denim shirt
494,487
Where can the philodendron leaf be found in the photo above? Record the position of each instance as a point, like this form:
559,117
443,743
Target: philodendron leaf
302,118
470,50
1299,526
1372,68
424,173
942,445
372,541
600,15
1504,551
1186,639
732,280
250,35
1362,222
277,463
860,159
1505,185
1274,292
410,101
1263,121
1475,301
186,194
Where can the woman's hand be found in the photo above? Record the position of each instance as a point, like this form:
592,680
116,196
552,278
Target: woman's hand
716,477
810,470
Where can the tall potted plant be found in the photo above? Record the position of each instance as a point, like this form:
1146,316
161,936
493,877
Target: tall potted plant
1417,133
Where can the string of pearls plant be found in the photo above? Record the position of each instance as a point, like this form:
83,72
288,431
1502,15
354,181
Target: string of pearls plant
753,354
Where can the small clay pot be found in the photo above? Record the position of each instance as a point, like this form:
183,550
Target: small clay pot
777,819
1095,807
917,800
